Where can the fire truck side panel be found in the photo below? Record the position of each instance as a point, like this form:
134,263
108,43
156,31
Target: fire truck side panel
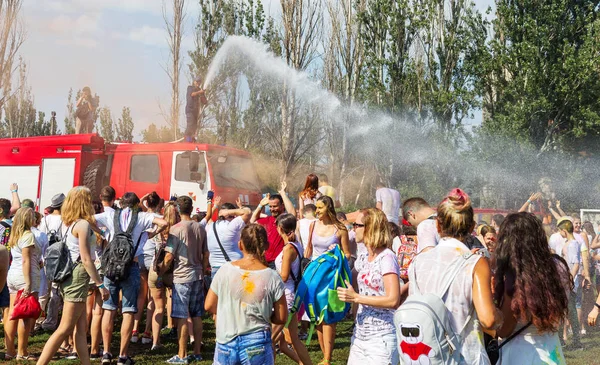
27,177
57,177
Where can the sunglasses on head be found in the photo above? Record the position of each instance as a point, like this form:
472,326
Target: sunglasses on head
357,225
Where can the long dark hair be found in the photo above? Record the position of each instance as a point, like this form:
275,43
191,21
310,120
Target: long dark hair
527,272
331,212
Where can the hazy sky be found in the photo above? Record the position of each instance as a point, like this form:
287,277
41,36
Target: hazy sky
117,47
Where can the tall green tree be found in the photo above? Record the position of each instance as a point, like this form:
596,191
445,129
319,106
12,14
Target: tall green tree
107,124
124,126
541,77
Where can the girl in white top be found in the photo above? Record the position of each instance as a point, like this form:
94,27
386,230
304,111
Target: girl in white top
472,286
287,264
374,340
24,274
78,215
526,272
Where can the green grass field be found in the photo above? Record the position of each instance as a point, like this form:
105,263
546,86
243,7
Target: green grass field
142,355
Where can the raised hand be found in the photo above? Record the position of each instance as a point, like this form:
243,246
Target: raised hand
238,203
535,196
265,200
216,200
283,187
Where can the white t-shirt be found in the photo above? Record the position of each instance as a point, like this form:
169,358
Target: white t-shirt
374,321
427,234
229,234
51,222
304,229
144,223
246,300
15,272
390,203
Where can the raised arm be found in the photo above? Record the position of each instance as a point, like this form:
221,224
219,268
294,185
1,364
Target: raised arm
560,211
211,208
532,198
16,202
289,207
552,211
245,213
256,214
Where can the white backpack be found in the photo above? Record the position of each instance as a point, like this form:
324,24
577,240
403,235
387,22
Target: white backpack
423,328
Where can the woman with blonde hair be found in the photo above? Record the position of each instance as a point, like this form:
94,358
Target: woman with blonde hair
326,231
78,219
24,274
309,194
374,339
471,287
158,283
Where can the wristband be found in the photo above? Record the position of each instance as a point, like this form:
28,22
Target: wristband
597,305
101,286
528,201
13,191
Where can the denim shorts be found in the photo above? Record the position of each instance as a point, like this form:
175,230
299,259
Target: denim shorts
4,297
187,300
250,349
130,288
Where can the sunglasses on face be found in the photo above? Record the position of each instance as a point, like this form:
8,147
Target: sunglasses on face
357,225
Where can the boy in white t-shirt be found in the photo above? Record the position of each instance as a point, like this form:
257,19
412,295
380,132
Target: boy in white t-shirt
418,213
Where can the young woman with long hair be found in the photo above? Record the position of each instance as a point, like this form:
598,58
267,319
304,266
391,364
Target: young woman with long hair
530,291
374,339
24,274
287,264
324,233
77,216
472,286
158,284
247,298
152,203
309,194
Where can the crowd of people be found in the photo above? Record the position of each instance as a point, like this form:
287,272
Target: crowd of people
520,280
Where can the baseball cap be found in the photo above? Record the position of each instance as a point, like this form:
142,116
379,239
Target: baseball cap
563,219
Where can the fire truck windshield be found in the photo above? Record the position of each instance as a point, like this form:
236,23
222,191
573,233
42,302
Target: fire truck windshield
234,172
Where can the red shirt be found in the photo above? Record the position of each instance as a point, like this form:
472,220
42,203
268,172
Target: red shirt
275,240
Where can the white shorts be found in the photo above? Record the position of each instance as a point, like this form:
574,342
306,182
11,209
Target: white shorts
378,350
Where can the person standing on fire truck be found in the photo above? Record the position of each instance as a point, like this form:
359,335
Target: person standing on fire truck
195,100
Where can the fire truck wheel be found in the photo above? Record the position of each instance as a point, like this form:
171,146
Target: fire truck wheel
94,177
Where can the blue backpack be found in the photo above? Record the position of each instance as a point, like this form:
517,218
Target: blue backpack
318,290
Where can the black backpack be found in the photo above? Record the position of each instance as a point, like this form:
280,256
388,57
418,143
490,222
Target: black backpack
58,263
53,235
120,253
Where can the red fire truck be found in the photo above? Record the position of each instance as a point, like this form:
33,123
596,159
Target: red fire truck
45,166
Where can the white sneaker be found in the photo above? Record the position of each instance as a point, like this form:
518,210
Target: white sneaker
583,332
134,337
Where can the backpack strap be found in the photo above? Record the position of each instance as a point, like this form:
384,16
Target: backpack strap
134,218
117,222
225,255
507,340
4,224
294,277
453,272
450,274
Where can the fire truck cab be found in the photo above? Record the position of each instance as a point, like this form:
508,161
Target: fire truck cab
45,166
